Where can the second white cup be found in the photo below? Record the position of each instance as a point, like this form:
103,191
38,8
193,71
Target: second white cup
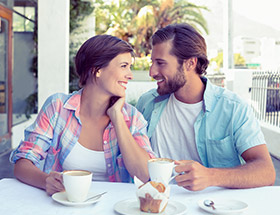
161,169
77,184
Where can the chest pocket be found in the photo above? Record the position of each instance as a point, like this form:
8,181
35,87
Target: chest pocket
222,153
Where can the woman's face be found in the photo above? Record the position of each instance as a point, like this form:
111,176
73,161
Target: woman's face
114,78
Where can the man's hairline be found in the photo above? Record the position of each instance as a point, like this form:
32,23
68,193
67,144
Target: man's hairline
171,52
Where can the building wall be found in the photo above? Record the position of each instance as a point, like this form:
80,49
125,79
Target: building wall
53,48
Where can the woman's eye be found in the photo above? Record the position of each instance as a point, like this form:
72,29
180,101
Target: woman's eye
124,66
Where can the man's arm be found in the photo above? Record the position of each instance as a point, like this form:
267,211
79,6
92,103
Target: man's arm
258,171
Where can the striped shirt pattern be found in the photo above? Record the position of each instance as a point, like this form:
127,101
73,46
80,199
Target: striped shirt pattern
57,129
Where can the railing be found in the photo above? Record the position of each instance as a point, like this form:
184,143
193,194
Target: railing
265,96
217,79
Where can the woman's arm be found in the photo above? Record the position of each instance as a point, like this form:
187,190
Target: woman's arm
28,173
135,157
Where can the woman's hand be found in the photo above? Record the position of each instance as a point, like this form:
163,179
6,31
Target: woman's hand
54,183
28,173
116,109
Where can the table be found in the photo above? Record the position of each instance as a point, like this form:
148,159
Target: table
19,198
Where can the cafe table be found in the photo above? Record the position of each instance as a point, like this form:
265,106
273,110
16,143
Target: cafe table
17,198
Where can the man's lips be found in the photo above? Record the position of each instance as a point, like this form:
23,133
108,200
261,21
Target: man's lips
159,81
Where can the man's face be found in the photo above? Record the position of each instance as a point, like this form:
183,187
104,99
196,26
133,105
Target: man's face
166,70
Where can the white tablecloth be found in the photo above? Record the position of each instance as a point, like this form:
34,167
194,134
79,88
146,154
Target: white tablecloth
20,199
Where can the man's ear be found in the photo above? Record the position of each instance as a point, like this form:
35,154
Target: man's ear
190,64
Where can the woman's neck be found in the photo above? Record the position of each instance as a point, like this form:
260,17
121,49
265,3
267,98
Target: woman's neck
94,103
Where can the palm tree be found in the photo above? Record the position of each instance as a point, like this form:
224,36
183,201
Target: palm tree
136,20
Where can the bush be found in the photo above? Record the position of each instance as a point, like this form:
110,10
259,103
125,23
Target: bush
142,63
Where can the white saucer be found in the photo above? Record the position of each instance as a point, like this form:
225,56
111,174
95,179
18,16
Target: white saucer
224,206
131,207
61,198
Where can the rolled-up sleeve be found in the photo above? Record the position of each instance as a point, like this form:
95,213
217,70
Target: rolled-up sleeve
37,137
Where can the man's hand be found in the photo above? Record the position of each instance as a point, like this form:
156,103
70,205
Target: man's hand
194,176
54,183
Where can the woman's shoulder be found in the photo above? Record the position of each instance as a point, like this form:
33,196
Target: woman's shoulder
58,98
130,109
56,101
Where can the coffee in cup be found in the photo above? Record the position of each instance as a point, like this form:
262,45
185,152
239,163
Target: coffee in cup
77,184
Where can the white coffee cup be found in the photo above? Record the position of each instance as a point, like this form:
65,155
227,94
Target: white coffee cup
161,169
77,184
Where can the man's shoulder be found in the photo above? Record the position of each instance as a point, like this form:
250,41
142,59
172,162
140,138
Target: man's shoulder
224,95
147,97
151,93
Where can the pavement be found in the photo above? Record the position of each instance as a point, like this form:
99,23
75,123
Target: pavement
6,168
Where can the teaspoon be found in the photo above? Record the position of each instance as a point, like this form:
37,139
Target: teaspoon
96,196
209,203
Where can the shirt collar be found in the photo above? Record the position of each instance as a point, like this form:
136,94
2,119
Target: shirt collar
208,99
74,102
210,94
159,98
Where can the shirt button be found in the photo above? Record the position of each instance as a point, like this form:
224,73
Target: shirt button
109,165
105,142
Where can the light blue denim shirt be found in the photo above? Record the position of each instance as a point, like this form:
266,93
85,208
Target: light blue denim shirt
224,129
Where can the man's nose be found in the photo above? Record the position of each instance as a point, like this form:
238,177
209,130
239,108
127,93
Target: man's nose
153,71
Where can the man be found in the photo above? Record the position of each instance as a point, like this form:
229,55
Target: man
210,132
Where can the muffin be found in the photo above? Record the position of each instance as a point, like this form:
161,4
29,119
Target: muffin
153,197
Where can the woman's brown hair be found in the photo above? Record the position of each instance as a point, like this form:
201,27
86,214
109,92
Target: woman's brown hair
96,53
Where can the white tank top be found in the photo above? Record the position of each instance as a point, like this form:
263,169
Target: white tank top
174,134
83,158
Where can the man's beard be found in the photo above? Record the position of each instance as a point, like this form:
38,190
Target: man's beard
173,84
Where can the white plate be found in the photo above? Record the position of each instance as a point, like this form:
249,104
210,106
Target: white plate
131,207
61,198
224,206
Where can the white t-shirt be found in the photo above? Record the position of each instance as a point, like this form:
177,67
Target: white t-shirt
83,158
174,134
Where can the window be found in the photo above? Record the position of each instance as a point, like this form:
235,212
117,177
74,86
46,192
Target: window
24,17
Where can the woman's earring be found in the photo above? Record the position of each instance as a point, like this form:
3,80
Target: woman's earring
97,74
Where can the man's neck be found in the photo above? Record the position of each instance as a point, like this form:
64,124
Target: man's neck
192,92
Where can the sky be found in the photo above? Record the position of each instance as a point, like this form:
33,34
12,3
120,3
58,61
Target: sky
263,11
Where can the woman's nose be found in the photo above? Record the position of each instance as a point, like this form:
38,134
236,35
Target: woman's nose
129,75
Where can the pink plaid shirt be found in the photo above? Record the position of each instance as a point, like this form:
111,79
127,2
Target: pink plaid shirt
57,129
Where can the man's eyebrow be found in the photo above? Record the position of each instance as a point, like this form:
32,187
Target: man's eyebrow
159,59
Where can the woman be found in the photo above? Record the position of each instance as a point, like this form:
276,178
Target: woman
92,129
